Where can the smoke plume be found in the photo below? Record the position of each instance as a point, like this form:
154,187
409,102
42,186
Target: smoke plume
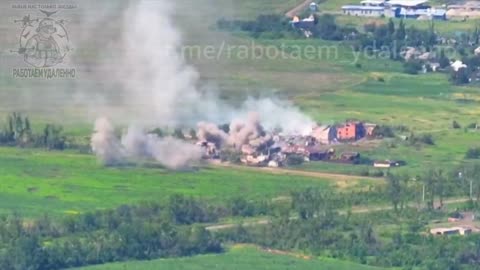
105,144
136,145
211,133
155,87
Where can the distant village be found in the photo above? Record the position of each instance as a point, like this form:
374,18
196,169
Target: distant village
413,9
316,146
424,58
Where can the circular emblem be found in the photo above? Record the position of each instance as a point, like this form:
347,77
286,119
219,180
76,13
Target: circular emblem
44,42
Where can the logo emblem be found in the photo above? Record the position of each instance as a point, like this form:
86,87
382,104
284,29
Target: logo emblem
44,42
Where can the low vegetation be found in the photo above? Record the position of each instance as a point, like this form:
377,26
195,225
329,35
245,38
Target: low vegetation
239,257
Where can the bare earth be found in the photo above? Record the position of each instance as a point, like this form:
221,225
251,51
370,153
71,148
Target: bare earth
283,171
296,10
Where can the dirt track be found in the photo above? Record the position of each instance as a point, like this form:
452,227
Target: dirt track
298,9
356,210
320,175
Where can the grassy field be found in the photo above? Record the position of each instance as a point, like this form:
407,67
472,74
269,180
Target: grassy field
328,86
36,182
238,258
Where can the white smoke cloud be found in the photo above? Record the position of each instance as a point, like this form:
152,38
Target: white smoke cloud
105,144
156,87
280,114
136,145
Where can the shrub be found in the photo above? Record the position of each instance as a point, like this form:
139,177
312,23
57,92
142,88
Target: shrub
412,67
427,139
462,76
472,126
456,125
473,153
294,160
422,139
229,155
383,131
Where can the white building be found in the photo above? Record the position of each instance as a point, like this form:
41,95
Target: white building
451,231
365,11
458,65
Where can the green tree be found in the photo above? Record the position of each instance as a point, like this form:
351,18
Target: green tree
429,188
441,182
412,67
394,190
391,27
401,32
462,76
178,133
443,60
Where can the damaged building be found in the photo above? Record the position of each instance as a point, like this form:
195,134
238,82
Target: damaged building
258,147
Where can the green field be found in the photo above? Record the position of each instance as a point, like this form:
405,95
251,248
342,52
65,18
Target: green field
330,88
35,182
238,258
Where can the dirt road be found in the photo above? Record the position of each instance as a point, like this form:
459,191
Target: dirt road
298,9
355,210
283,171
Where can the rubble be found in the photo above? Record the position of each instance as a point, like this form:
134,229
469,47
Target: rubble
259,147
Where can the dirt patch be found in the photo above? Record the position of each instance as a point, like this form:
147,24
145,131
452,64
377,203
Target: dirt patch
32,189
298,9
283,171
286,253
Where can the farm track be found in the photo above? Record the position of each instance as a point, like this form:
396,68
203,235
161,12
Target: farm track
298,9
355,210
319,175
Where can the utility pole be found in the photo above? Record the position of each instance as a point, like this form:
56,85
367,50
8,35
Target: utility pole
471,189
423,193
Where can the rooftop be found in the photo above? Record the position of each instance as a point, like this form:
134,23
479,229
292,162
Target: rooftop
428,12
359,7
372,2
407,3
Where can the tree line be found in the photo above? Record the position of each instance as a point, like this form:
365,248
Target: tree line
321,229
18,131
387,40
313,220
146,231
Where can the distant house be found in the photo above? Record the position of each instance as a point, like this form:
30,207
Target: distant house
306,25
387,163
317,153
469,9
429,13
373,3
451,231
414,9
365,11
349,156
369,128
350,131
457,65
325,134
408,4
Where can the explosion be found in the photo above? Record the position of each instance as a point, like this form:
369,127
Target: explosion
157,88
